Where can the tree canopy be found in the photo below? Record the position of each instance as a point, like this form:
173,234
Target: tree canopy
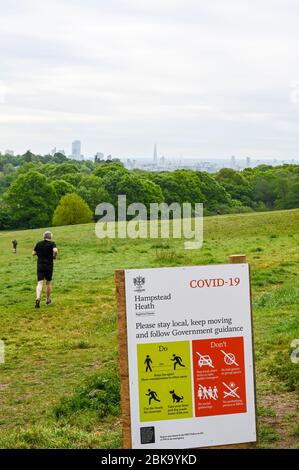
31,200
33,186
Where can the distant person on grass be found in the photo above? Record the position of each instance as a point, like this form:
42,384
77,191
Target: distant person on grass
14,246
46,252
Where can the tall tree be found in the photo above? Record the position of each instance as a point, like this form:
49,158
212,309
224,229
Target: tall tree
31,200
92,190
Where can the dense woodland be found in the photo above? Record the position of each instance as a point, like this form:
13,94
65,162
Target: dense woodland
32,188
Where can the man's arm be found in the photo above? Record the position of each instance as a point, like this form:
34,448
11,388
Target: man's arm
34,253
55,252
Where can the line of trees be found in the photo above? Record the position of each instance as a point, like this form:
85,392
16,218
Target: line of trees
33,189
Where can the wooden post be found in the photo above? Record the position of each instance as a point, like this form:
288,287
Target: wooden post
123,358
235,259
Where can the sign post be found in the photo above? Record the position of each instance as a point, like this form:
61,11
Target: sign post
186,356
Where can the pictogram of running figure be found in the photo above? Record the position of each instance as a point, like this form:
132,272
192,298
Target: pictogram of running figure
177,360
152,396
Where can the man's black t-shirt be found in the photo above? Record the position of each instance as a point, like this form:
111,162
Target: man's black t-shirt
44,251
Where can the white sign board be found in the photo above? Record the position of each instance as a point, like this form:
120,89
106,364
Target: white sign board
190,356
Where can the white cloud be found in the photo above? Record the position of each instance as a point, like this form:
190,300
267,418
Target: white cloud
201,78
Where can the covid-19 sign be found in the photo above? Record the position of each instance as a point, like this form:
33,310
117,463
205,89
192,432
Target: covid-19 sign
190,360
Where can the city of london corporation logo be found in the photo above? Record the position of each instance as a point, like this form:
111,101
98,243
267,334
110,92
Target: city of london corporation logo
139,282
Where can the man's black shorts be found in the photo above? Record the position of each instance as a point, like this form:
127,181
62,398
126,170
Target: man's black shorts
44,271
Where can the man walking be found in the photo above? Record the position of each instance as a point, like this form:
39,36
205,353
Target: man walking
148,362
46,252
14,246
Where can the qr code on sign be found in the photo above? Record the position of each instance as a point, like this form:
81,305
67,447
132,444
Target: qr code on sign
147,435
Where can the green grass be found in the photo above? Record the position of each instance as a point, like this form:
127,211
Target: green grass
296,430
267,434
264,411
59,384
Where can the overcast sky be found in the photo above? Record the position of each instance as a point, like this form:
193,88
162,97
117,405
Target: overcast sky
202,78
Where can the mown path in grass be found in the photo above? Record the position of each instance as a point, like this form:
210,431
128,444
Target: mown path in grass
59,358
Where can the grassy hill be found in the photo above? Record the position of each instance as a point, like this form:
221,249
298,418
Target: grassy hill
59,385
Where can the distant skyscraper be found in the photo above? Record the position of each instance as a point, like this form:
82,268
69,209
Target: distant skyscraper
99,156
155,160
233,162
9,152
76,150
162,161
248,162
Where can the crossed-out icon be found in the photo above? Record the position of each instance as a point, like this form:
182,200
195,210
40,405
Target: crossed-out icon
232,390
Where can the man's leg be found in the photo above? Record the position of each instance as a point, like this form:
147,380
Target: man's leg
49,290
39,289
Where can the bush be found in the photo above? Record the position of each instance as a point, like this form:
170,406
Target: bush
72,210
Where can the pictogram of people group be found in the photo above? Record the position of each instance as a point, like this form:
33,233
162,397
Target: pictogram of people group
207,393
